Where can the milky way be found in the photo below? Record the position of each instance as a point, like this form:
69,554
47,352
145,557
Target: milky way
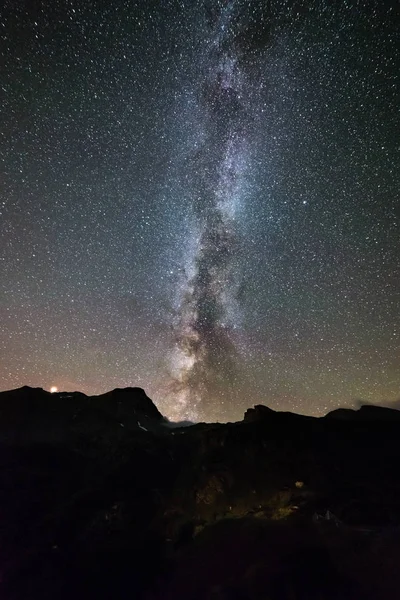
205,360
201,198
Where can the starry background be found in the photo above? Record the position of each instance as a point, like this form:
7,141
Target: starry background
108,132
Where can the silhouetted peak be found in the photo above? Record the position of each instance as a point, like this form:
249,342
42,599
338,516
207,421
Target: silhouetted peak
27,389
133,399
366,412
378,413
344,414
258,413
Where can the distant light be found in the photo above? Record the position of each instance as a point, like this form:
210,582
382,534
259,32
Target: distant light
53,389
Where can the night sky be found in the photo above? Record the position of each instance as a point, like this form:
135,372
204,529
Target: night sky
201,198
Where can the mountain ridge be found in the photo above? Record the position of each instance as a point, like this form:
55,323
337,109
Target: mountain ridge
137,396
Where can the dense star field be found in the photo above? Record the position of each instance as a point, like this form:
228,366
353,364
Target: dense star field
201,198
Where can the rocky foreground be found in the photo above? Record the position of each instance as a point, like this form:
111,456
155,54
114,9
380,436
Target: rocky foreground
101,498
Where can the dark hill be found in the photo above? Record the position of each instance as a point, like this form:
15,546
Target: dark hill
100,499
367,412
33,414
